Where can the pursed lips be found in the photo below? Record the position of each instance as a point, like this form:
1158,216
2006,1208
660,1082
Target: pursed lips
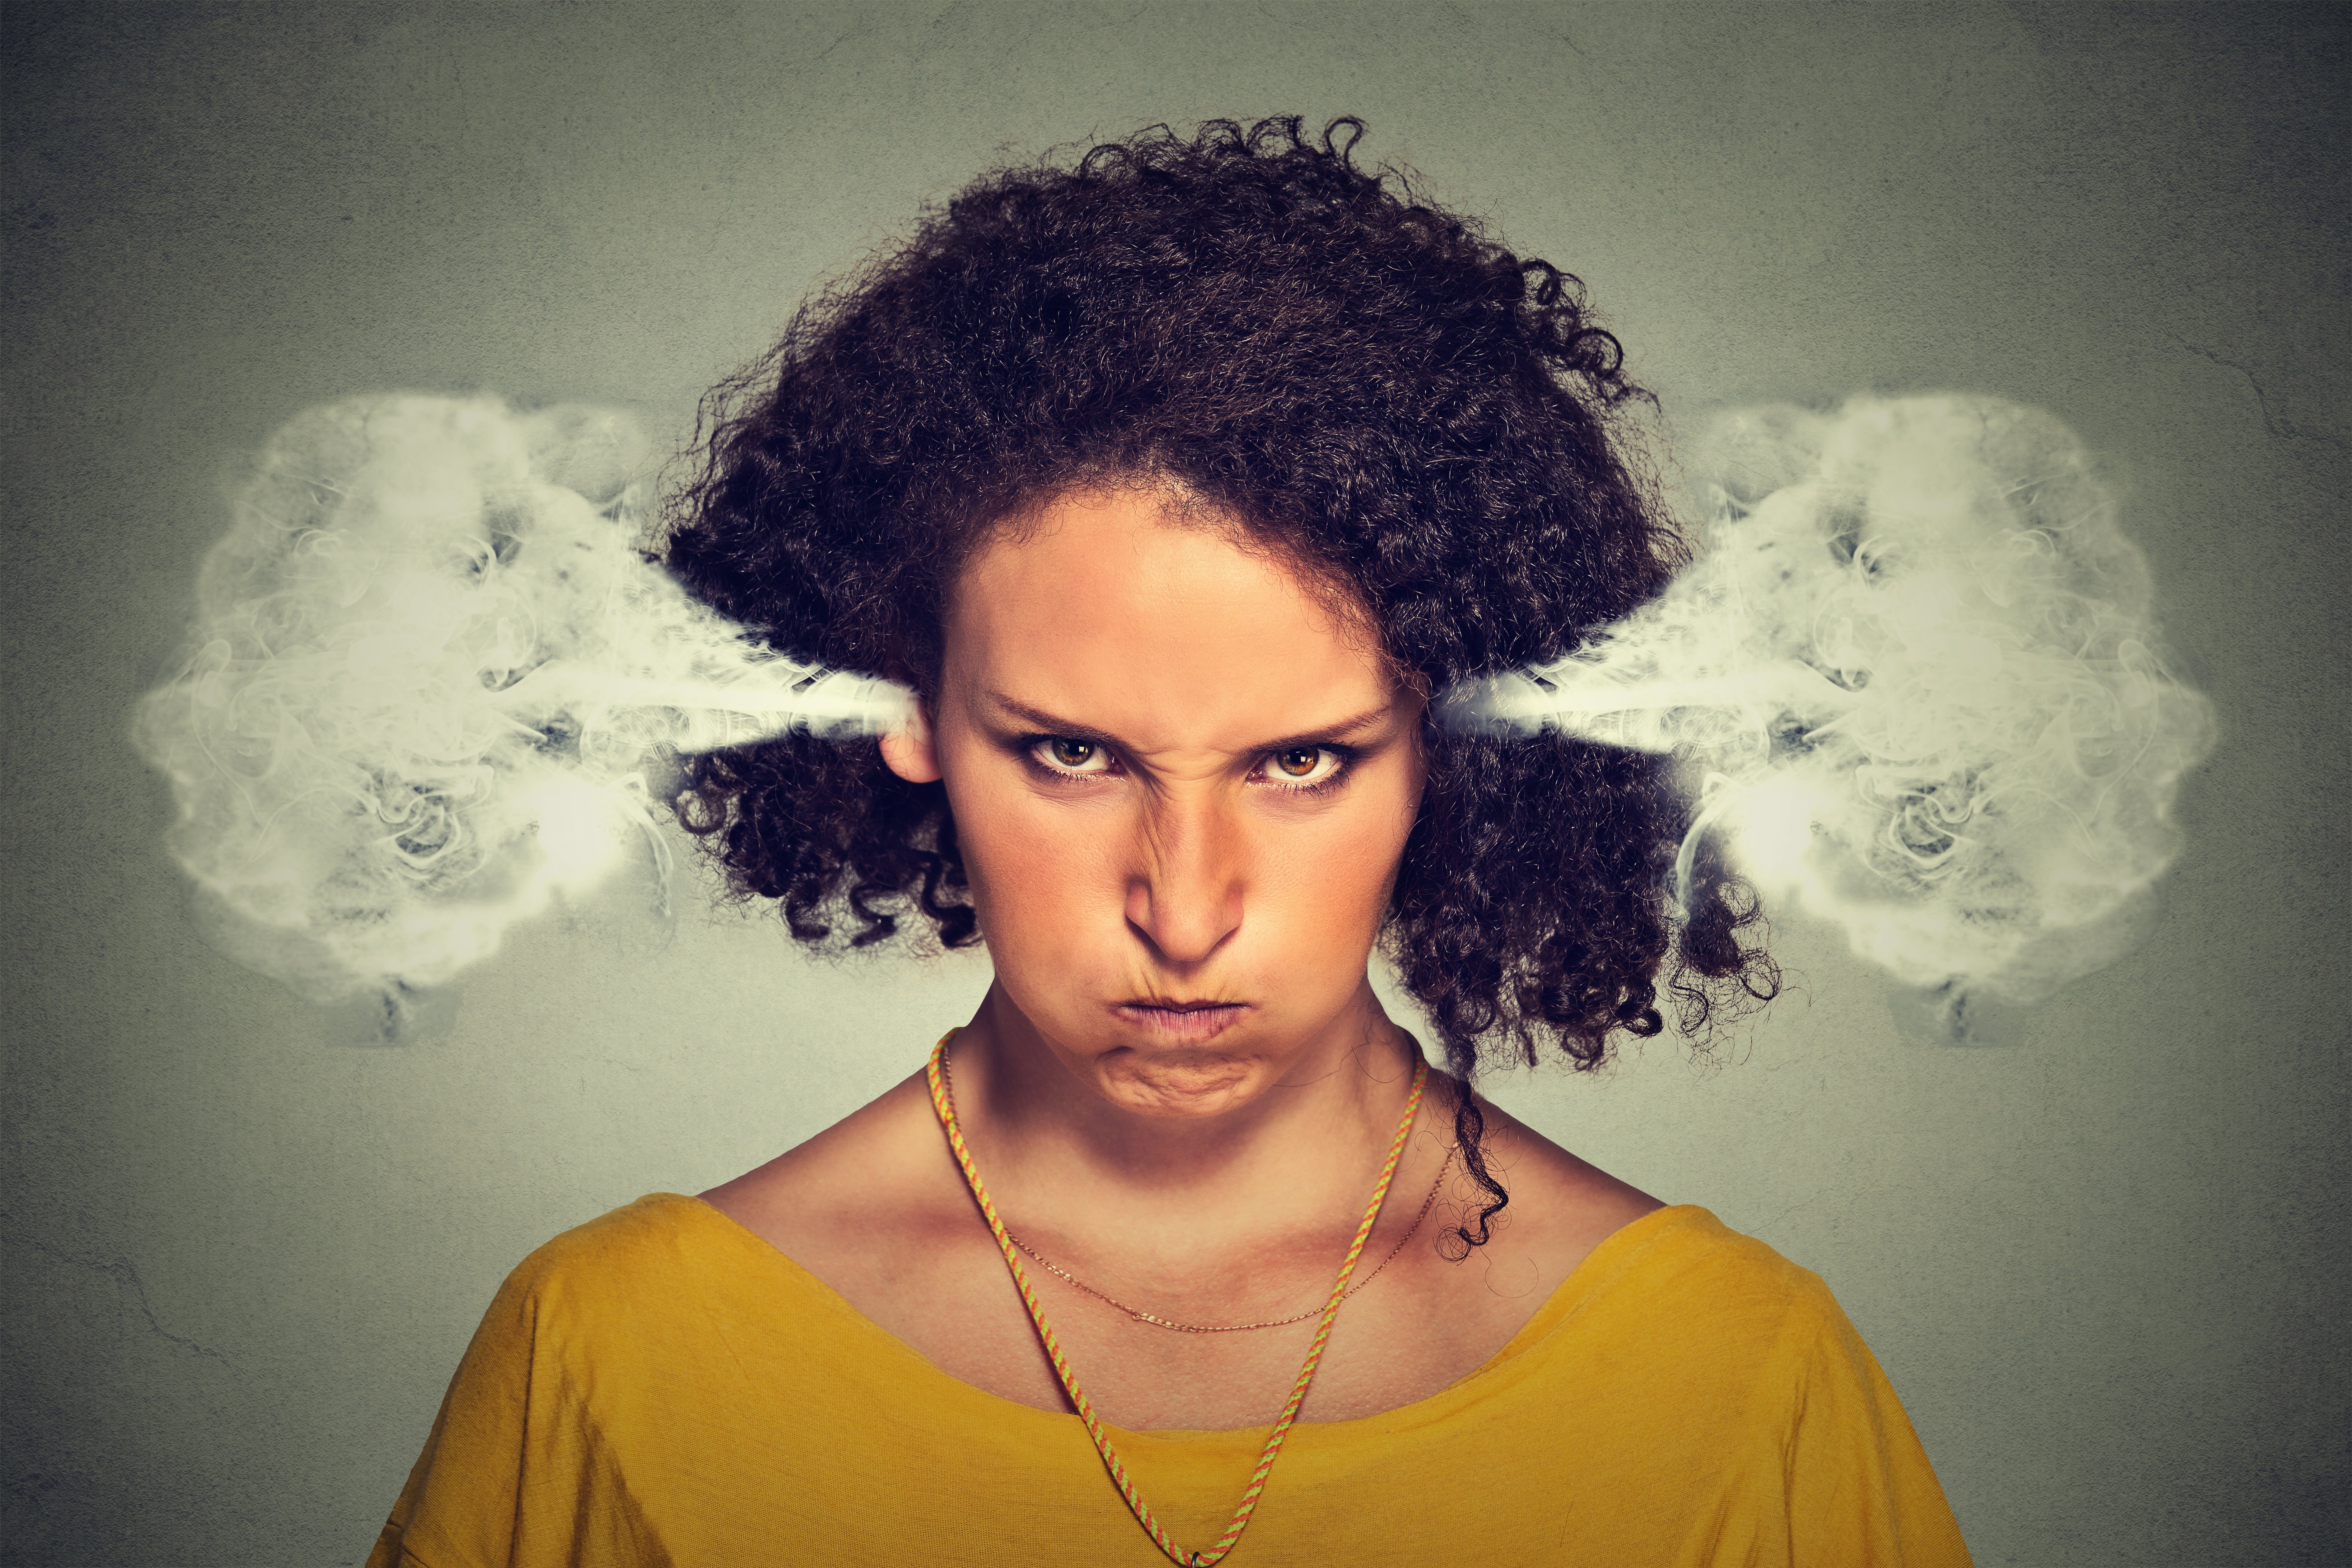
1189,1021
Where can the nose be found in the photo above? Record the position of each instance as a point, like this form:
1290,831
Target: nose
1184,896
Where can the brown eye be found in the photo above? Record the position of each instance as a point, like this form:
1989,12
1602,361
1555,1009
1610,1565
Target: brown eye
1301,768
1071,753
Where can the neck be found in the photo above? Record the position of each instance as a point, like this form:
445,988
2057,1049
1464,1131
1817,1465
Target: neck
1295,1145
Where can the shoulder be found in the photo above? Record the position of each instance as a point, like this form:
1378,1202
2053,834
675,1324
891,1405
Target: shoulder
878,1179
1742,1350
1716,1360
627,1264
1613,1237
1686,1257
1636,1272
1561,1208
668,1281
1681,1288
628,1240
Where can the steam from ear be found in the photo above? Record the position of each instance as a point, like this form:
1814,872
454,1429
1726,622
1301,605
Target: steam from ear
1915,674
430,673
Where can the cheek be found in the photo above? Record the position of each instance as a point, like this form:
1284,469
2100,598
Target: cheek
1040,870
1325,878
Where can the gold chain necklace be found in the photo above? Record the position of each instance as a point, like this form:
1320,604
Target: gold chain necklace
935,1073
1157,1321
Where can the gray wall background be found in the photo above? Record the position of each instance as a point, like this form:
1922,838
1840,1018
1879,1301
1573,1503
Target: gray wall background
2105,1264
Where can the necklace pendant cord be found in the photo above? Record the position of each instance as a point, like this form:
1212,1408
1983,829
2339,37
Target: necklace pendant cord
944,1104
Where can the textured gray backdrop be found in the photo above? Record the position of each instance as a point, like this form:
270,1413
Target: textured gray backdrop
2104,1264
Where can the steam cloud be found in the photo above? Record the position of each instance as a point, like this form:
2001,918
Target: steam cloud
1913,672
1915,676
429,673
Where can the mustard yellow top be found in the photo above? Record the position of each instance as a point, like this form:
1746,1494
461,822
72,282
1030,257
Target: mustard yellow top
661,1387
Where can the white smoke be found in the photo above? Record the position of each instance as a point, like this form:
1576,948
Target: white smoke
430,672
1916,670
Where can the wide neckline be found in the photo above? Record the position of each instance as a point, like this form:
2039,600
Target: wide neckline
1546,1319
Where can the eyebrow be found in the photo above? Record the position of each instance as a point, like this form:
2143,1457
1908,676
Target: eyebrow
1053,724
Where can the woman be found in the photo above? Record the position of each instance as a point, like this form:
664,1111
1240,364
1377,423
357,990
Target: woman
1176,483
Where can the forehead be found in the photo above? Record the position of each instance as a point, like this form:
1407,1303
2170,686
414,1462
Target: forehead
1122,610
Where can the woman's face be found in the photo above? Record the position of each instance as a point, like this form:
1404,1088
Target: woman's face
1182,788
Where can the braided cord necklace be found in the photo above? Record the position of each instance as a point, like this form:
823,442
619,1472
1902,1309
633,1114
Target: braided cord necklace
935,1073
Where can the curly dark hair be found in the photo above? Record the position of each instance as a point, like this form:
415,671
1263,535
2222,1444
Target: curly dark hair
1364,382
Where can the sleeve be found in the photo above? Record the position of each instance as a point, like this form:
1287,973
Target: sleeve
1860,1489
513,1474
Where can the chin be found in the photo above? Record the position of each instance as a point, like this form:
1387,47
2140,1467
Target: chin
1189,1089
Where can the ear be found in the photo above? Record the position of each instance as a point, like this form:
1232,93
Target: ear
908,750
